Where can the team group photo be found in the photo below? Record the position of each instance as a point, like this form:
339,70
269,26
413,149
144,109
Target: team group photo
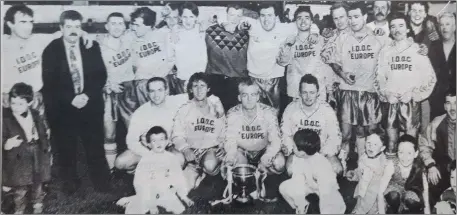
228,107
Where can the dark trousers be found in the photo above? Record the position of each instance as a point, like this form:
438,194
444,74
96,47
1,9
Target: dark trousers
226,88
89,129
435,191
20,196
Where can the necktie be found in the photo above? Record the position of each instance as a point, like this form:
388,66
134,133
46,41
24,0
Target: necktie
75,74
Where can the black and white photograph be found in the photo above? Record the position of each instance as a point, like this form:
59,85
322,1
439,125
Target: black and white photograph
228,107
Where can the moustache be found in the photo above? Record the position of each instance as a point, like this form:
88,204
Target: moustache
380,14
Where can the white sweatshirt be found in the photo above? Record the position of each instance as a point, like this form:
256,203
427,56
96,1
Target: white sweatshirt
402,71
22,60
322,120
118,60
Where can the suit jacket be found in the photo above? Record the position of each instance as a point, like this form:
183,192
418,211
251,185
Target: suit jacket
445,76
18,162
58,88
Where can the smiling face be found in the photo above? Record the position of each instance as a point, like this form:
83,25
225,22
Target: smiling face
340,18
22,25
139,27
189,20
71,30
417,14
374,145
158,142
234,16
157,92
447,27
303,21
381,10
249,96
308,94
406,153
356,19
450,107
268,18
398,29
200,90
115,26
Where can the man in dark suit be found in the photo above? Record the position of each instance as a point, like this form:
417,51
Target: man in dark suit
73,78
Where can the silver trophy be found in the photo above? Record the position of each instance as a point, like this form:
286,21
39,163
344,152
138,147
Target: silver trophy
244,175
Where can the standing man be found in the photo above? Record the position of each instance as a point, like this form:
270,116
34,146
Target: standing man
443,56
309,113
356,55
303,57
73,81
227,47
380,26
399,61
119,92
22,54
340,18
437,148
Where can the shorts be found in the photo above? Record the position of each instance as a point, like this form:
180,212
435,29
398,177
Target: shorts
359,108
269,91
124,104
403,116
200,153
253,157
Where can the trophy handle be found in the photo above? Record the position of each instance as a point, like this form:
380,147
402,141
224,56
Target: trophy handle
257,183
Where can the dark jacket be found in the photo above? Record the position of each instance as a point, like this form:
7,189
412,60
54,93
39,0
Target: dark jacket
445,76
58,90
27,163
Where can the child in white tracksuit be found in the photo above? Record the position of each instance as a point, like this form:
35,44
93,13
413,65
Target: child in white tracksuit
159,179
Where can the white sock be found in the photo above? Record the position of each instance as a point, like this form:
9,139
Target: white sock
110,153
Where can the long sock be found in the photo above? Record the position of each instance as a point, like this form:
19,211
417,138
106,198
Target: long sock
110,153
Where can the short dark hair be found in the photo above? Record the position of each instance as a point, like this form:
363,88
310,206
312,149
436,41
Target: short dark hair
199,76
156,79
452,166
307,140
190,6
21,8
155,130
308,79
450,92
423,3
358,5
303,9
393,16
70,15
410,139
337,5
266,5
245,82
381,133
234,6
115,14
148,15
21,90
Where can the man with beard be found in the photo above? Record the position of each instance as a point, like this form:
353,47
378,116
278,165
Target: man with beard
119,91
309,113
302,57
355,60
23,53
199,133
437,148
443,57
397,62
380,26
253,135
160,110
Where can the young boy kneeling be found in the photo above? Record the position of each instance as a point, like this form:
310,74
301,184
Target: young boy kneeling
311,173
159,179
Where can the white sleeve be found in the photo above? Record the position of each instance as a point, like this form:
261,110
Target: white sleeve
274,135
287,127
427,79
382,68
178,137
134,133
230,144
332,144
